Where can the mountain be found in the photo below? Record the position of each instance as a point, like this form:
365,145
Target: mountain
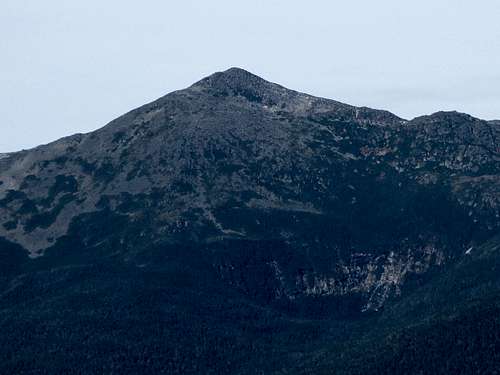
240,227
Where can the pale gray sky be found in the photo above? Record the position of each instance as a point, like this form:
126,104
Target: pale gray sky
72,66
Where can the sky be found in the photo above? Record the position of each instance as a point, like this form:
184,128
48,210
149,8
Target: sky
72,66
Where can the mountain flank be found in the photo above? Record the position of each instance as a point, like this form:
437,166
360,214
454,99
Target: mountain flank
238,225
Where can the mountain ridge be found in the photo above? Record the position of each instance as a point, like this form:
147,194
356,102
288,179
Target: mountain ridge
239,75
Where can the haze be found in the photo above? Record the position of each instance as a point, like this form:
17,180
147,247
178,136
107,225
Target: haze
70,67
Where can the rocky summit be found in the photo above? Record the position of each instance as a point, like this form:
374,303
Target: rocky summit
240,227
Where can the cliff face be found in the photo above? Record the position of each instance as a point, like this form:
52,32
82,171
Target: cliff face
286,195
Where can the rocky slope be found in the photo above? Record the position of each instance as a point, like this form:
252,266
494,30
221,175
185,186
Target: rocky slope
301,204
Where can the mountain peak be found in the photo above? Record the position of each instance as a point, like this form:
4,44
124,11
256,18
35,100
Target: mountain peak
445,117
233,80
237,82
238,72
